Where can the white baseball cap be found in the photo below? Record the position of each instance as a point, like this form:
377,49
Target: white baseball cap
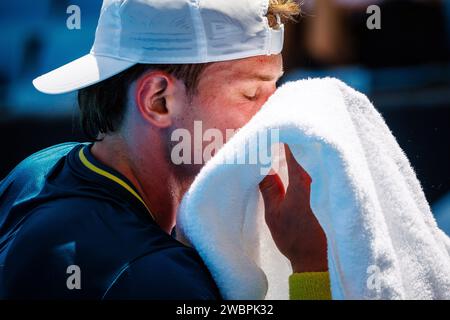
167,32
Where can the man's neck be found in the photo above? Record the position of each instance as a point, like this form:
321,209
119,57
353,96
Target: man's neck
153,178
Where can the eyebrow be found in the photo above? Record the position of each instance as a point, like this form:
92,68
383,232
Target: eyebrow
265,77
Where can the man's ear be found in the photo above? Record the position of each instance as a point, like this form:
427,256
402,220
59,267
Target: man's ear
153,91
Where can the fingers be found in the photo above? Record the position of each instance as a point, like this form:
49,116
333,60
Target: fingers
273,193
297,175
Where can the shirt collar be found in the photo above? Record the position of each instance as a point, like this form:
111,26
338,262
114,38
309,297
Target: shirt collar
108,176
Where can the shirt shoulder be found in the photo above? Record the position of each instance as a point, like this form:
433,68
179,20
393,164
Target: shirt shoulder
27,180
50,239
38,164
116,261
86,232
176,273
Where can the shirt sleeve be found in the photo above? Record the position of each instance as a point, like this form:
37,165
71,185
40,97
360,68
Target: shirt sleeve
309,286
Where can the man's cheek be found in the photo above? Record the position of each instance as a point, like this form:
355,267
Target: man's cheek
237,121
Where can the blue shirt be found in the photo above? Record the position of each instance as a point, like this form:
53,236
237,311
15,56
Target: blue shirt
64,215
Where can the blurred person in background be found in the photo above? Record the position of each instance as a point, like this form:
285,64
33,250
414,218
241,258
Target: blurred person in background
334,32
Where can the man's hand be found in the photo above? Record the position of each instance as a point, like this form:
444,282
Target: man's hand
294,228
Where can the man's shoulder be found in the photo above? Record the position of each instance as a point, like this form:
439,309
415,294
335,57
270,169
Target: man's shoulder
61,233
76,218
151,265
58,221
40,161
174,273
40,248
28,178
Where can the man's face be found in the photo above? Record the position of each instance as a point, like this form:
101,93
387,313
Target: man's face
230,93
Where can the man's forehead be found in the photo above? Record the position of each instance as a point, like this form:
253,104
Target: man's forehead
264,68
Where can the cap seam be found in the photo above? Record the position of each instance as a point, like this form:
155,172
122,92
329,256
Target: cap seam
265,8
199,28
268,37
119,35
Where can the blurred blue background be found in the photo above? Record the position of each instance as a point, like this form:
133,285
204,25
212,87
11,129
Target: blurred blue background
404,68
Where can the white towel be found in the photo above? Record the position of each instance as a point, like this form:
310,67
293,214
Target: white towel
383,242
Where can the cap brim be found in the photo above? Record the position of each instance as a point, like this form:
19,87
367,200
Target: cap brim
80,73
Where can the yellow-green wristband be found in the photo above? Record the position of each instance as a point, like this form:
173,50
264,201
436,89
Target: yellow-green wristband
310,286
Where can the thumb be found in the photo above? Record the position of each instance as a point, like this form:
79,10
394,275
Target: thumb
273,193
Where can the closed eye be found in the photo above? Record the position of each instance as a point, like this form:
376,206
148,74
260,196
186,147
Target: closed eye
251,98
252,95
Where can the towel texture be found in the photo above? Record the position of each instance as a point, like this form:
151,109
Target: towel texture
383,242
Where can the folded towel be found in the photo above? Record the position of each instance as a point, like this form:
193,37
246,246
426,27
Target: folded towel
383,242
